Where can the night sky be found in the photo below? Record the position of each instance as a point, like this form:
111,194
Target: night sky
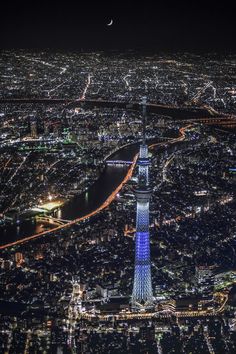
154,26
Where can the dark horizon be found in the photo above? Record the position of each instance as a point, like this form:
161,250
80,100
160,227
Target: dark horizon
166,27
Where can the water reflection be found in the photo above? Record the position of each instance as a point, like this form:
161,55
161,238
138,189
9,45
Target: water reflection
80,205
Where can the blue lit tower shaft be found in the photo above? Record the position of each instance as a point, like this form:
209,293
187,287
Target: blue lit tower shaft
143,151
142,288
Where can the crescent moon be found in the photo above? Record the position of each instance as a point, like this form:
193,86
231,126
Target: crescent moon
110,23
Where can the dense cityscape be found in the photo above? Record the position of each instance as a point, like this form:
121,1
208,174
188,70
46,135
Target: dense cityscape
117,202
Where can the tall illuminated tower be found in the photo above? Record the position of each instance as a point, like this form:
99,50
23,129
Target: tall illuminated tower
142,288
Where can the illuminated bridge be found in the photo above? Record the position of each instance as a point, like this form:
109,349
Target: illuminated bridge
118,162
226,120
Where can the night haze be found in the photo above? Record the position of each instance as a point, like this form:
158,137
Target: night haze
148,25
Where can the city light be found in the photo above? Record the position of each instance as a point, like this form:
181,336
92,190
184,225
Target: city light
117,202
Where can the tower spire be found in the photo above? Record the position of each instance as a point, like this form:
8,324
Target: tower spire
144,118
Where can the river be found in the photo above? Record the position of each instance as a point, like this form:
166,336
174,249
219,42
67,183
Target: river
108,181
80,205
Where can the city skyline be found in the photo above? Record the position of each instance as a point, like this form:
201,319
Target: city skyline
117,178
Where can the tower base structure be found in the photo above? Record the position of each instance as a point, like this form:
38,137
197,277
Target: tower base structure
148,306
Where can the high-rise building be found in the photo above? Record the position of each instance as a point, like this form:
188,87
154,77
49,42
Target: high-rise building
142,289
204,277
19,258
33,127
